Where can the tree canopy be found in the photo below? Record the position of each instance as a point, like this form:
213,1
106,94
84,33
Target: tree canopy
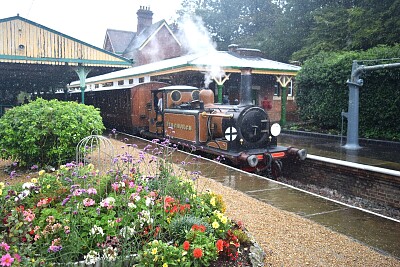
298,29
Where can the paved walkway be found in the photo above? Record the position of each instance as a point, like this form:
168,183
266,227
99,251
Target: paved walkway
375,153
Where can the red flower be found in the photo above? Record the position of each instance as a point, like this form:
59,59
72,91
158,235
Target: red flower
200,228
186,245
197,253
220,245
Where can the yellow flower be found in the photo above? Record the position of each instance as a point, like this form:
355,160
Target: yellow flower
1,192
90,166
41,172
224,220
1,185
212,201
154,251
63,167
34,180
48,186
165,265
215,225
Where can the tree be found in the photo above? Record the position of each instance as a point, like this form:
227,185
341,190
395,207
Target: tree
232,21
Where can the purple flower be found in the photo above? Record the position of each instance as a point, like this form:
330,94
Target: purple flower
54,248
65,201
34,167
13,174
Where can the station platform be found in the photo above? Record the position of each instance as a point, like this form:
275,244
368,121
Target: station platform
383,154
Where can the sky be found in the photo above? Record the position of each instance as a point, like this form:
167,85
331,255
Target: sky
88,20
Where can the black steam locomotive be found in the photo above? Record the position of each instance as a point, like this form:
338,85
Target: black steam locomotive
242,133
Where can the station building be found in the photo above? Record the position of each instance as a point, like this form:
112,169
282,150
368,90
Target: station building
37,60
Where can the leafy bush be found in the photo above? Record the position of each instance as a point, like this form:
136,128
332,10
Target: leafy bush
181,225
323,92
45,133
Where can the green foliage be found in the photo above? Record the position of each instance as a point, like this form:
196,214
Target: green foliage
159,253
241,236
323,93
45,133
181,225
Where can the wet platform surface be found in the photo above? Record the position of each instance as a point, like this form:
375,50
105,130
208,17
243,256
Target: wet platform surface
377,232
379,154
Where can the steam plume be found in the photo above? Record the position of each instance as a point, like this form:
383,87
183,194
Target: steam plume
196,39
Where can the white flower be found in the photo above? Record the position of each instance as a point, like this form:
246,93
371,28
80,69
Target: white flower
127,232
92,257
131,205
97,230
110,253
28,185
149,201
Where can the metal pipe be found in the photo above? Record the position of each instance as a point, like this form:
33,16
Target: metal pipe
353,109
245,87
205,114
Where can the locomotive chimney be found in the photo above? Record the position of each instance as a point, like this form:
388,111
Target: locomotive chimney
245,87
145,18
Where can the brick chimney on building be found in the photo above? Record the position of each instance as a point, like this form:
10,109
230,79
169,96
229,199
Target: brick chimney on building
145,18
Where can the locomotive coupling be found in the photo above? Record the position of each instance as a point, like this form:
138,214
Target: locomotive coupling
301,154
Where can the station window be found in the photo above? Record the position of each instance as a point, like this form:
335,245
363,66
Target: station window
277,91
290,88
130,81
141,80
121,82
107,84
96,85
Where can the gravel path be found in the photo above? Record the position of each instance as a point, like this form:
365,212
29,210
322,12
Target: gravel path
290,240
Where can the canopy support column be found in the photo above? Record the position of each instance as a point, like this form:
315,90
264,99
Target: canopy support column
283,81
82,74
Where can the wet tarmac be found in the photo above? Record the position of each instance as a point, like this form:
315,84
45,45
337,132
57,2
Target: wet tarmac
374,153
380,233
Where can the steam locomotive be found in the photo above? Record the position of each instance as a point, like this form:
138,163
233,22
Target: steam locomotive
242,133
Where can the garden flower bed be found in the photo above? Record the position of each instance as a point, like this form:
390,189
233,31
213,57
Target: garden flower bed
142,212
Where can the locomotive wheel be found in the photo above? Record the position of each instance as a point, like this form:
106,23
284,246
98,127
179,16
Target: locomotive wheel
276,168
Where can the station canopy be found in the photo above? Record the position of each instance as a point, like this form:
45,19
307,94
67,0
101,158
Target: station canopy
213,61
34,58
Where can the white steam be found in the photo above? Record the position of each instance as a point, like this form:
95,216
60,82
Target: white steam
196,39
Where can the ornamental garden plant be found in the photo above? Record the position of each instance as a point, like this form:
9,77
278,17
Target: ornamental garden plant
142,212
45,133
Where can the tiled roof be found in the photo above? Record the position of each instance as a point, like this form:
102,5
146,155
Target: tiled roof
138,41
120,39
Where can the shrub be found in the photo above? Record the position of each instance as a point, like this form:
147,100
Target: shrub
181,225
45,133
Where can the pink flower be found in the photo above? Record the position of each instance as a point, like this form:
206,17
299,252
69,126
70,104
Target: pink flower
29,215
4,246
91,191
6,260
87,202
17,257
115,186
118,220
